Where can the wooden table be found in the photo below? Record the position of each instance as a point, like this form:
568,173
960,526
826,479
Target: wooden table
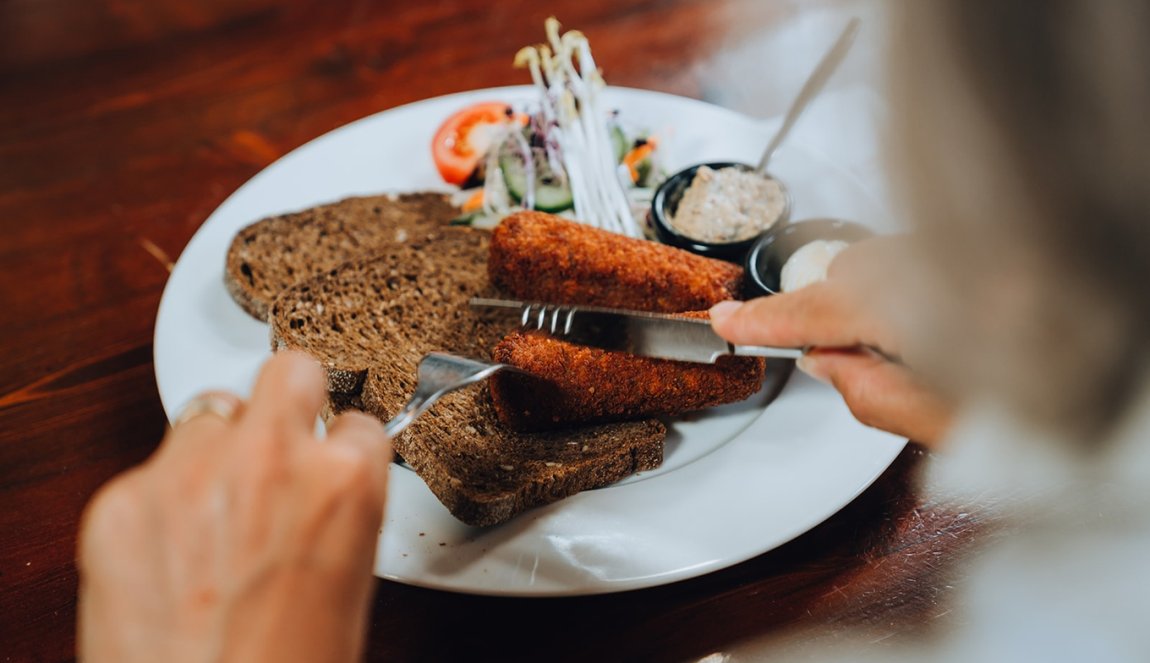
125,123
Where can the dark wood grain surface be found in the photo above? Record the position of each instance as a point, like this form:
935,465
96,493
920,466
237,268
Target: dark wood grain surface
124,123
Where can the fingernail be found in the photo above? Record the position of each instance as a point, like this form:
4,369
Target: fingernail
810,366
724,310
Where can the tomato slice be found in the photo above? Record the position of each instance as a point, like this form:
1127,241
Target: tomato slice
464,138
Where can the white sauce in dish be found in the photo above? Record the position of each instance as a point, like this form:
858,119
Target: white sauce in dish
728,205
809,264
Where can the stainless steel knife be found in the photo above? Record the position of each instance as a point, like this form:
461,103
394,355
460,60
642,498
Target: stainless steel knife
635,332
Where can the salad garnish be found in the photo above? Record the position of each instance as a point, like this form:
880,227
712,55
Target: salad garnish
565,154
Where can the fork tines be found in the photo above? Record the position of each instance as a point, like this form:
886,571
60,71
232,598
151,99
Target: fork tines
547,317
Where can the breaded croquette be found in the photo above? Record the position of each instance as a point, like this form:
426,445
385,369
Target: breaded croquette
573,384
540,257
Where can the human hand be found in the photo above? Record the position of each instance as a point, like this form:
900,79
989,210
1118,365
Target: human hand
851,345
243,538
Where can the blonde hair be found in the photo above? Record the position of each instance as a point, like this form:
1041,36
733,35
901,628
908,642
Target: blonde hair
1021,148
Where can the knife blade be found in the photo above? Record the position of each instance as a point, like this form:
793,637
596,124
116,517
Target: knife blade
657,335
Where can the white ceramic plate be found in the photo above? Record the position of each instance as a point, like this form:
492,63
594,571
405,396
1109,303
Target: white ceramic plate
737,481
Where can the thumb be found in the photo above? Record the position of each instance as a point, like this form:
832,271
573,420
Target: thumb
822,314
882,394
759,321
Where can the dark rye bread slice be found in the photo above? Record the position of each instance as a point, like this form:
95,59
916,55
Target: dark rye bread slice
486,473
274,253
347,314
379,315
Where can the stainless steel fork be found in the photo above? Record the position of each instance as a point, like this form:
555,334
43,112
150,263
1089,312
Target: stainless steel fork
440,373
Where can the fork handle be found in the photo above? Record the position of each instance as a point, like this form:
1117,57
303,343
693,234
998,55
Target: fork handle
408,414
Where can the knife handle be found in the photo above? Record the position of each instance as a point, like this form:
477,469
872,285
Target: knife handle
796,353
765,351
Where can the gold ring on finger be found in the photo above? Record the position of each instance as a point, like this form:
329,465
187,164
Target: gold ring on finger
219,404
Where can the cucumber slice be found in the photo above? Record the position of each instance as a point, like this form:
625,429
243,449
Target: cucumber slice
550,194
466,219
619,142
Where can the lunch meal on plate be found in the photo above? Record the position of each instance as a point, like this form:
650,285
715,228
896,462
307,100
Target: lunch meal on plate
371,320
370,285
481,451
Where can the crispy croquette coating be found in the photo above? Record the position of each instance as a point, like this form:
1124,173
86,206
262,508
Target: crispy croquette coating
573,384
540,257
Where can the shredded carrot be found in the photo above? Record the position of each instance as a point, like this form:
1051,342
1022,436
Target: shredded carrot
474,202
633,158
